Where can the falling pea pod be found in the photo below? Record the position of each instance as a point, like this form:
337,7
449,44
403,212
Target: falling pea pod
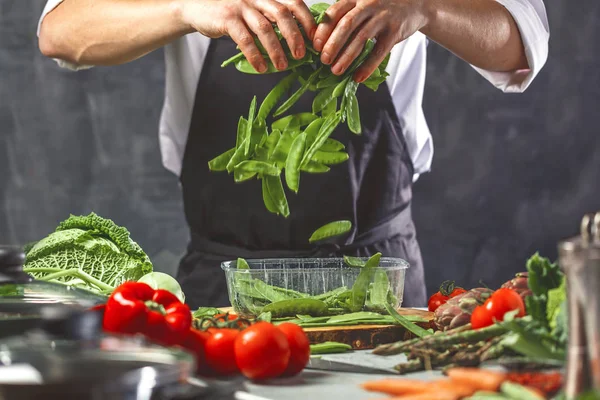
331,229
294,159
219,163
275,95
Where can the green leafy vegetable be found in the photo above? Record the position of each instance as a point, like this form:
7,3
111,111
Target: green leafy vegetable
88,252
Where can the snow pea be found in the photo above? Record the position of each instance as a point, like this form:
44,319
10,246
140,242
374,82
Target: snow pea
331,229
267,199
322,99
353,114
325,131
219,163
356,316
243,65
294,159
328,80
275,95
313,167
330,158
329,348
241,131
369,45
277,193
281,150
354,261
249,126
232,59
381,287
242,264
330,108
331,294
409,326
302,119
341,87
241,175
292,307
312,131
296,96
271,142
258,167
359,289
332,145
237,157
350,89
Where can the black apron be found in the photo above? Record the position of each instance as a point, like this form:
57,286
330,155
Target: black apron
227,220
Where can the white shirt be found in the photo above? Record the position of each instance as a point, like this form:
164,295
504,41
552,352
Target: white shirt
185,57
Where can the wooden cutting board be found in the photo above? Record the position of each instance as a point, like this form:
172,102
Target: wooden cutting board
362,337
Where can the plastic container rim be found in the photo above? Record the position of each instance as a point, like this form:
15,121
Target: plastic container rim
398,263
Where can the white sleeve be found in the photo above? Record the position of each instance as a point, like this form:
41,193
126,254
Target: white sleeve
530,16
51,5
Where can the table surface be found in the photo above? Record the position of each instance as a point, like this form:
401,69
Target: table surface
315,384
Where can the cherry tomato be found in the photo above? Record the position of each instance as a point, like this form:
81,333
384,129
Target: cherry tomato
446,292
494,308
220,350
195,342
262,351
299,348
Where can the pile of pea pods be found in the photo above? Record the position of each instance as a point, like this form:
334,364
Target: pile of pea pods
299,142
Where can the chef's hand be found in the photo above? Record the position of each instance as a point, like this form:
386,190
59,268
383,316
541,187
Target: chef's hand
240,19
353,22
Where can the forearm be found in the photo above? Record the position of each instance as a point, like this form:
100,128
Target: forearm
109,32
481,32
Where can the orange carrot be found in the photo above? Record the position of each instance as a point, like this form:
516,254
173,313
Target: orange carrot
396,387
480,379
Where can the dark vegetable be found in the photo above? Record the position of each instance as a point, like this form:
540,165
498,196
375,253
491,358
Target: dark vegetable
329,348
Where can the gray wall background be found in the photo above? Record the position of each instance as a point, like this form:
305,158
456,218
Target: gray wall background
512,174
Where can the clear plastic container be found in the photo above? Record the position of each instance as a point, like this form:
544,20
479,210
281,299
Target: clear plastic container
303,277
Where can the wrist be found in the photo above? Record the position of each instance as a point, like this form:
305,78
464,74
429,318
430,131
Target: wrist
180,11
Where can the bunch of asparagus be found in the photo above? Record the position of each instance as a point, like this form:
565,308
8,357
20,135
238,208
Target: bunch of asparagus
462,346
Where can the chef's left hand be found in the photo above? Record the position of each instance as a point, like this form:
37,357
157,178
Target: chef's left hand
348,24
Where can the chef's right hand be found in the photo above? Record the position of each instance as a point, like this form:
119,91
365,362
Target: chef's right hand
240,19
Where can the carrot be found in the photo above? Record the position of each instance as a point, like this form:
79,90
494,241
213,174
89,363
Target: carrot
443,388
479,379
431,395
396,387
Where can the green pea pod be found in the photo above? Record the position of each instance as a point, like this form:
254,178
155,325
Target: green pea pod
242,264
219,163
317,8
329,348
314,168
292,165
237,157
406,323
281,151
381,287
373,83
341,87
275,95
329,80
233,59
258,167
312,131
261,154
277,193
296,96
241,131
329,158
291,307
325,131
243,65
240,175
332,145
331,229
369,45
353,115
301,119
250,126
355,262
382,67
516,391
321,100
271,142
361,285
267,199
330,108
350,88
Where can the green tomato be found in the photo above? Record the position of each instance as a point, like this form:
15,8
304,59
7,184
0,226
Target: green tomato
160,280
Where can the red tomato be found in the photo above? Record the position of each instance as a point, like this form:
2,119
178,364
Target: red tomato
494,308
446,292
195,342
220,350
299,348
262,351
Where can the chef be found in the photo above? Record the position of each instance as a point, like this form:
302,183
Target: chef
506,41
